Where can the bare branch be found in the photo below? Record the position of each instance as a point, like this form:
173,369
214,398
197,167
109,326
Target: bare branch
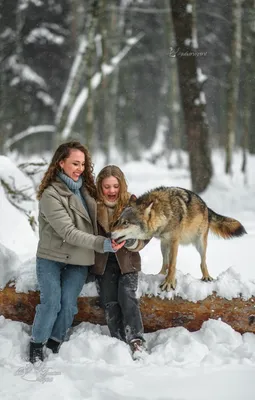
83,95
29,131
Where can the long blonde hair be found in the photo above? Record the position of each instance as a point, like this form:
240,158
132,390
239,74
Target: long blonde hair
63,152
106,172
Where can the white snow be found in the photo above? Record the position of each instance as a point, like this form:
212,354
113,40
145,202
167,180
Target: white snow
24,72
214,363
25,3
188,42
189,8
202,97
200,76
15,231
42,35
45,98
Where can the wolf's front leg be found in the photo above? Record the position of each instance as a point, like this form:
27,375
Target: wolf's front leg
201,245
170,281
164,246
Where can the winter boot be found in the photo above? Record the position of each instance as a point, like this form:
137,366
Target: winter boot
53,345
36,352
138,349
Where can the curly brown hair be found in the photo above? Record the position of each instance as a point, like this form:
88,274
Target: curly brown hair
63,152
106,172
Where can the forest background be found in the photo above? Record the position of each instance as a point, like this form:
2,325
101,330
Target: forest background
145,78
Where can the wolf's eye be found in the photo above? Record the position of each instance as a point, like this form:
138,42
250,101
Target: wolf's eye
125,223
115,223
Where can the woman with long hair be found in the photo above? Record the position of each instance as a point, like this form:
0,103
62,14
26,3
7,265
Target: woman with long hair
68,239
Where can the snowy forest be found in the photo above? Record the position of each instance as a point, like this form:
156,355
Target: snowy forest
129,74
165,90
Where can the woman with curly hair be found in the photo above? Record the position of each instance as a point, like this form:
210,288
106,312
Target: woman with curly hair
117,274
68,239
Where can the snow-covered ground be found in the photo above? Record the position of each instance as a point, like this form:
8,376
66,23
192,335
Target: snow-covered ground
215,363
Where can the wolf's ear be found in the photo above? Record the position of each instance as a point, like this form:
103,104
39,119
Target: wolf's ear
132,199
148,210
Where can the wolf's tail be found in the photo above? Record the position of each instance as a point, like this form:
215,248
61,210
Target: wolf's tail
224,226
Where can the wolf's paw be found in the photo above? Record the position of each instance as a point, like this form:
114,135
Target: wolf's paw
207,278
168,285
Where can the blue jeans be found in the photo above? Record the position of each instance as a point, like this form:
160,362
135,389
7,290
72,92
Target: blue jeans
60,285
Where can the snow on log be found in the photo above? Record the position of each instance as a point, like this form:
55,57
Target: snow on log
157,313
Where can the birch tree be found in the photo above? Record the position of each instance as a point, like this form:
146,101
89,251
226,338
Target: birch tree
82,67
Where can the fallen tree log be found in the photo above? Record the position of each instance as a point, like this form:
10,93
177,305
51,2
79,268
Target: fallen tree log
156,313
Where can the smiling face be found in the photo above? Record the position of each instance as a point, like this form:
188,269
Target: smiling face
111,188
73,166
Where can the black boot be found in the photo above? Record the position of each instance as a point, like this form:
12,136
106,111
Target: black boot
138,348
53,345
35,352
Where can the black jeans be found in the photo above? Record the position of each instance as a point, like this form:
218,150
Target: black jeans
118,299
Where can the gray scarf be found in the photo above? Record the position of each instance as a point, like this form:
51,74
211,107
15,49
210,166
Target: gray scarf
74,186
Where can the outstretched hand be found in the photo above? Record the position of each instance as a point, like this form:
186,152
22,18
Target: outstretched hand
116,246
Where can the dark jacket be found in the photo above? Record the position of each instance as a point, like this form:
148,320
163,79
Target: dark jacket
128,260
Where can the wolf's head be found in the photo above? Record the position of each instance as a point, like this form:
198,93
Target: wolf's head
133,222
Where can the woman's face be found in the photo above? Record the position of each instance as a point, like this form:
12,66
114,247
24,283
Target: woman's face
111,188
73,166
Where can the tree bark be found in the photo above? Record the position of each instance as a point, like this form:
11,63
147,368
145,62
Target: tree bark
89,70
248,53
174,105
156,313
193,101
111,28
233,83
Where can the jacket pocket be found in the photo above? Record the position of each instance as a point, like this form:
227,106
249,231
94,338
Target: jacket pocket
56,242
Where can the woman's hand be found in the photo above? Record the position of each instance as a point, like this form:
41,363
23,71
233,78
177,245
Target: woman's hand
116,246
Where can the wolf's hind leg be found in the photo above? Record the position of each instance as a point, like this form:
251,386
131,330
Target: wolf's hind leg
201,246
170,281
165,254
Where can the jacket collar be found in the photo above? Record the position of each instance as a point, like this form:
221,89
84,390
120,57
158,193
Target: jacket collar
61,187
92,207
102,216
75,202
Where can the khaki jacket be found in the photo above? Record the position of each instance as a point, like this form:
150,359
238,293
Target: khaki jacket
66,230
128,260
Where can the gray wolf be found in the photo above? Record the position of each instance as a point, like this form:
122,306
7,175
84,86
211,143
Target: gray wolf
175,216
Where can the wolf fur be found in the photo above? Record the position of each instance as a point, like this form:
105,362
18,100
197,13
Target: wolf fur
175,216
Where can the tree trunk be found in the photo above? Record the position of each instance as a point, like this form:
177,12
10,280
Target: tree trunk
233,83
193,99
248,57
156,313
71,90
110,28
173,93
89,70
